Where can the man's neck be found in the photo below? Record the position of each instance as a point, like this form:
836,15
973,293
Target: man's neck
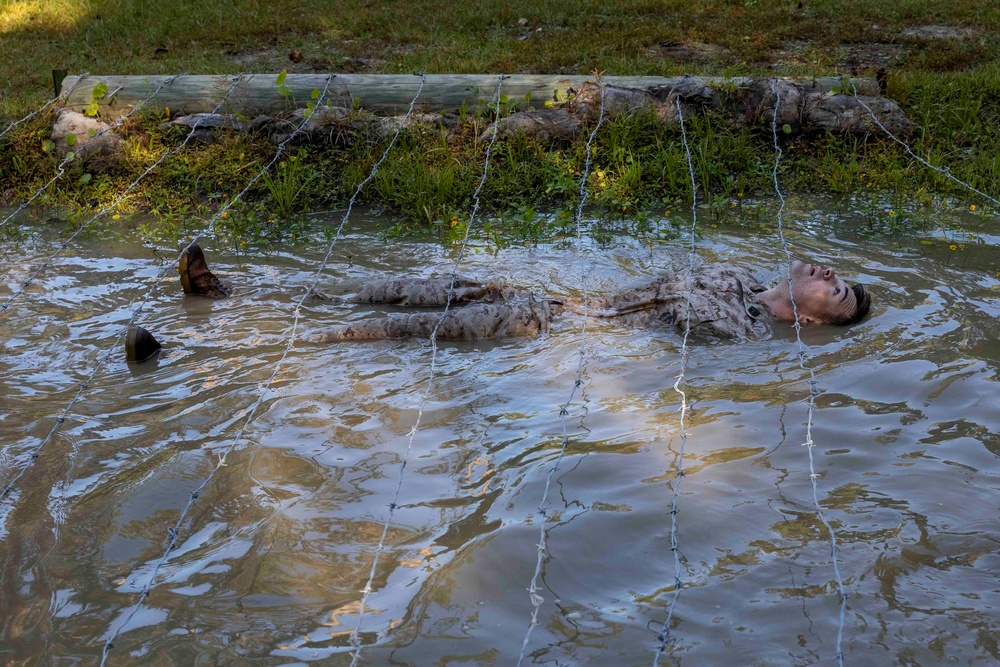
778,303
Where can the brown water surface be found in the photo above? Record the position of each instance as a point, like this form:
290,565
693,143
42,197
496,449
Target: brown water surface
270,566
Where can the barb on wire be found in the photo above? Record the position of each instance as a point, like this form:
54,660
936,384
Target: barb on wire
106,355
61,167
941,170
534,597
367,590
173,533
62,246
664,636
808,444
44,106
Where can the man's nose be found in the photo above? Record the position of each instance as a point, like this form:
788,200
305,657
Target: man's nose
828,274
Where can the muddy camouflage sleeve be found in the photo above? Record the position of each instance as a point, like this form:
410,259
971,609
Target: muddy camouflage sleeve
417,292
473,322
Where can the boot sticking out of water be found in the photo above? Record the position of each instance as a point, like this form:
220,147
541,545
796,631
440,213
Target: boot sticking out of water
140,345
195,276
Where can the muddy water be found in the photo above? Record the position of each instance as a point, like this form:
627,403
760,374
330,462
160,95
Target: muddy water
269,567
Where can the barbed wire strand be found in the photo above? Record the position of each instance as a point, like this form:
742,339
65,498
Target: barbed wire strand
664,636
813,391
136,311
62,246
71,155
534,597
367,590
238,80
174,532
941,170
104,357
46,105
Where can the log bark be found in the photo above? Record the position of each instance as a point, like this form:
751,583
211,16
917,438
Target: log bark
382,93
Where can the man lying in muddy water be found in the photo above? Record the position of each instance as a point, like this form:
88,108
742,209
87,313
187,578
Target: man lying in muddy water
727,303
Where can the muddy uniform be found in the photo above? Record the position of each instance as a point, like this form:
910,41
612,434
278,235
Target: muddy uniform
724,304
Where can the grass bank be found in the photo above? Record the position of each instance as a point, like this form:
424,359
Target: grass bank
939,60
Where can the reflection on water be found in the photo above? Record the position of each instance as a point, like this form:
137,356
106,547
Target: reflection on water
270,568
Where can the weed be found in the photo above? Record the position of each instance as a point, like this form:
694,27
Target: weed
287,184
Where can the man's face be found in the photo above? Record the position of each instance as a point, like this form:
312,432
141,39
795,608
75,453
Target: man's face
820,296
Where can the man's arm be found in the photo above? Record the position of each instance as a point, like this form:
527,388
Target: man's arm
646,297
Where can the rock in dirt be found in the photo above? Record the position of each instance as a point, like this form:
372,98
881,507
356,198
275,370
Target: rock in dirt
759,100
205,125
423,122
91,137
693,94
339,124
586,104
845,114
325,124
545,125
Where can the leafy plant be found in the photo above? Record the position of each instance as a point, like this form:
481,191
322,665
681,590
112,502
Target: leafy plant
98,93
286,184
283,90
311,106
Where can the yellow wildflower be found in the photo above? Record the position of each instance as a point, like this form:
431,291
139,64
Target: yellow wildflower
225,213
961,246
740,195
972,208
667,213
115,216
891,212
600,175
953,246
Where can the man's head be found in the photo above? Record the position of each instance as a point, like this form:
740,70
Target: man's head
820,297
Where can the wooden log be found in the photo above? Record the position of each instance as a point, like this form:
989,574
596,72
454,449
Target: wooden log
379,93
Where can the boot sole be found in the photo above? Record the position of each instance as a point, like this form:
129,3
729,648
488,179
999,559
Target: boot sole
182,268
133,338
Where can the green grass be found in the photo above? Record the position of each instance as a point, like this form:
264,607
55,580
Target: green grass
951,89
